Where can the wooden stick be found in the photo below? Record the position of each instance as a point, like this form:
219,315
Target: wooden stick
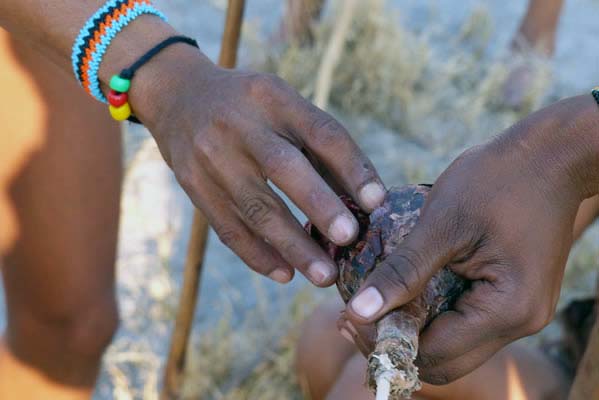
586,383
175,366
332,53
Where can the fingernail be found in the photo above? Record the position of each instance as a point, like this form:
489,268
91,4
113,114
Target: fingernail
368,303
343,229
320,272
280,275
347,335
372,195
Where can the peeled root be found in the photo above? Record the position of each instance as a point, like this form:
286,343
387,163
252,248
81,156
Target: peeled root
383,388
391,370
392,362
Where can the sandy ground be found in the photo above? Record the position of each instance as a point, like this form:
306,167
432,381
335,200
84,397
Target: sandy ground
156,213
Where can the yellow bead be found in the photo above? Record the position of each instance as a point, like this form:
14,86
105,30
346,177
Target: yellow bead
120,113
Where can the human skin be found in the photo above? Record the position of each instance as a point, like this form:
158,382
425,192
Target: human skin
502,215
539,26
60,177
517,369
225,134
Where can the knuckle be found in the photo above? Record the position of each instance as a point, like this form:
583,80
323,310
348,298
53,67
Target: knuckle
522,317
202,145
427,361
280,159
229,236
404,272
536,321
489,314
222,118
439,376
325,131
258,209
186,178
265,86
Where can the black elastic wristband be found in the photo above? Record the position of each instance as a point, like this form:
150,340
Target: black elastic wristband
129,73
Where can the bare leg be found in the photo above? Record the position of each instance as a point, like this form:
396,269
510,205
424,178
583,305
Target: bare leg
537,34
296,25
539,26
59,187
330,368
316,372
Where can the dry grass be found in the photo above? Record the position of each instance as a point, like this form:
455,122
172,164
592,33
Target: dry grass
438,89
441,89
252,361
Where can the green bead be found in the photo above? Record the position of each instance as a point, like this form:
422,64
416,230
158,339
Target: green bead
119,84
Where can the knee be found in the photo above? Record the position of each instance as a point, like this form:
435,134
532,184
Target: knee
77,333
318,329
90,331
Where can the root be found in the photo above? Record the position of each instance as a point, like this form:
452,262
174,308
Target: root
383,388
392,362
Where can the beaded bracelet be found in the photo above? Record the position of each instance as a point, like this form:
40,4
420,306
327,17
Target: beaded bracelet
595,93
120,84
97,34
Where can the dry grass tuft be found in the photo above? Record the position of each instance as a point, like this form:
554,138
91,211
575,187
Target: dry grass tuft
252,361
439,88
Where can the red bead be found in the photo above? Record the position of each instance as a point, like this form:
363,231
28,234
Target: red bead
117,99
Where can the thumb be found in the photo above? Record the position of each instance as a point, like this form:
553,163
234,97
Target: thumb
403,275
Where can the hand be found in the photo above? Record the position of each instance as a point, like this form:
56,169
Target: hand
226,133
502,216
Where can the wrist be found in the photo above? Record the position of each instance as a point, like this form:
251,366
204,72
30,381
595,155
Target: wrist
580,135
563,143
160,88
157,84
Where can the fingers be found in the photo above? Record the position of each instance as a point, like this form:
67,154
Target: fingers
291,171
485,319
363,336
233,232
328,140
254,251
486,313
247,196
478,316
447,372
402,276
268,217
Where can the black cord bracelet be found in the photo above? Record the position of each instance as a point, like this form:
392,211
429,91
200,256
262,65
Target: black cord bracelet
120,84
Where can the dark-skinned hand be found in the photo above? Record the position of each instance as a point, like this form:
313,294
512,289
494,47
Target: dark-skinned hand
502,216
227,133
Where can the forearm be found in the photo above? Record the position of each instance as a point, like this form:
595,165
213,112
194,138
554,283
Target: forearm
53,26
50,25
562,143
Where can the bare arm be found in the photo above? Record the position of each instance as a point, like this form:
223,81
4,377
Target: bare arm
225,134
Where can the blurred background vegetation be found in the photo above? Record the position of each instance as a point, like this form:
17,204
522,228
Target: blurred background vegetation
413,97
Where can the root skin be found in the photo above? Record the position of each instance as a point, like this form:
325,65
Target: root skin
381,233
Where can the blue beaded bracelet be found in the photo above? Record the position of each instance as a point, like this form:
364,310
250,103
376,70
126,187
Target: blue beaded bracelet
97,34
